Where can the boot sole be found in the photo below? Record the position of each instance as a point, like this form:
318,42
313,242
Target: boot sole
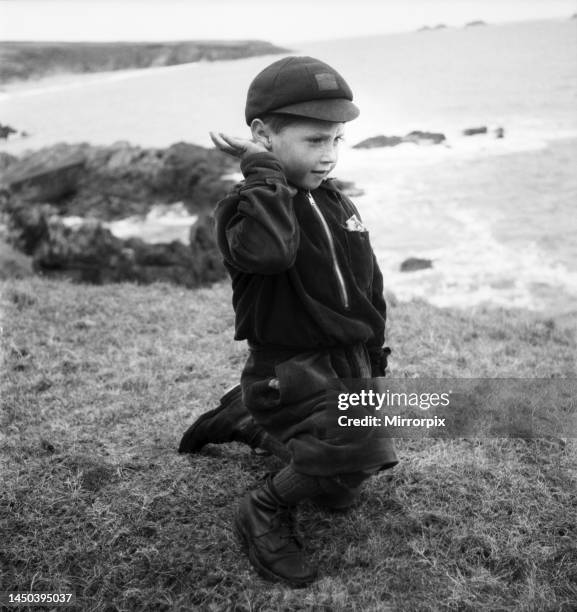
244,541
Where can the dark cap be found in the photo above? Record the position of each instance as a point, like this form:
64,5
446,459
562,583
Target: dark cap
301,86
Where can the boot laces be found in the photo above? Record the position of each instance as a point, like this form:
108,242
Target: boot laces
284,524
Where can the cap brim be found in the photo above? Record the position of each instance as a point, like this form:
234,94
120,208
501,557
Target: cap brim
337,110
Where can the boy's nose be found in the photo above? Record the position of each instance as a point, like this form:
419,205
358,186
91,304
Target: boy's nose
329,155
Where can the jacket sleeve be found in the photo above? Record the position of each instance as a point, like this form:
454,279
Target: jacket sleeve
256,227
377,352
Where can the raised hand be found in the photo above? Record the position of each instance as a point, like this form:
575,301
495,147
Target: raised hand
237,147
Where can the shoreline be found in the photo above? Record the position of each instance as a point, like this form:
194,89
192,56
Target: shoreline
494,216
25,60
505,277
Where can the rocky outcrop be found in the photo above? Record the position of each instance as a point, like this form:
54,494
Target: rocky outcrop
97,185
120,180
379,141
426,28
65,205
415,137
6,131
419,137
475,130
412,264
36,179
88,252
477,22
483,129
32,60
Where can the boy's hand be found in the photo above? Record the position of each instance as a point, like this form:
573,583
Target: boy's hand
237,147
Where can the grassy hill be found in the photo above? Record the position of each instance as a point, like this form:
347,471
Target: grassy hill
100,382
32,60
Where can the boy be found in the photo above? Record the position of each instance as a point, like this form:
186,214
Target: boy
307,294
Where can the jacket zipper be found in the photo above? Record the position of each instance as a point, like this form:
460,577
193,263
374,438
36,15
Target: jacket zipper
336,267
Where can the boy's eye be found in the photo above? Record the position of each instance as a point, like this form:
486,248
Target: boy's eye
321,140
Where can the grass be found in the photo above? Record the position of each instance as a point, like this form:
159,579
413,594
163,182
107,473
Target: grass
100,382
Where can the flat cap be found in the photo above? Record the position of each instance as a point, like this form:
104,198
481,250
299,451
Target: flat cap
302,86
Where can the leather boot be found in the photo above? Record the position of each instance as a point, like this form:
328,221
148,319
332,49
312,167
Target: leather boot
228,422
265,527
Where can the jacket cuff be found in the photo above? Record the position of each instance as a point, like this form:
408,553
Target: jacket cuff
379,360
257,167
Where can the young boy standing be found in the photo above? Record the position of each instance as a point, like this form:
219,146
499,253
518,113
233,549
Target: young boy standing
308,298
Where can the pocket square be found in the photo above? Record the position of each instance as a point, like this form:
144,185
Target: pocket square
354,225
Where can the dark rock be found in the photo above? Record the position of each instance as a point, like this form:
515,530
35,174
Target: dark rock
117,181
439,26
90,253
499,132
415,137
414,263
478,22
419,137
379,141
193,174
6,130
45,176
105,183
120,180
87,247
476,130
28,225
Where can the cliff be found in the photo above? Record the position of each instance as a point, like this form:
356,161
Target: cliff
32,60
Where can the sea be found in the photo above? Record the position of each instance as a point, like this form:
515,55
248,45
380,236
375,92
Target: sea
496,217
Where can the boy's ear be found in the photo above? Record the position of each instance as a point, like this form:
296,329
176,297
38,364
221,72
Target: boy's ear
261,133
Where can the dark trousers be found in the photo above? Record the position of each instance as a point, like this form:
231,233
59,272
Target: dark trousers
293,395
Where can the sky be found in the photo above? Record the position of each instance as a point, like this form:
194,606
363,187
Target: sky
277,21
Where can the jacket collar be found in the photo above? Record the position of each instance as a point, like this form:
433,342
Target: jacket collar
327,184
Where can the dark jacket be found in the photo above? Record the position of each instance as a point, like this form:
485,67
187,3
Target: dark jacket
300,279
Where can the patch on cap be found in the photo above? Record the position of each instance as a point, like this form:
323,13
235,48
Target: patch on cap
326,81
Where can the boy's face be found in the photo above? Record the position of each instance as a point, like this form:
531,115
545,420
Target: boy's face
308,150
